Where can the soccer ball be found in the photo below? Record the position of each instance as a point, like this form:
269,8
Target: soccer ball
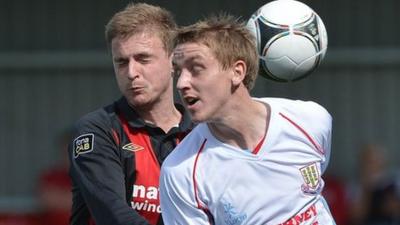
291,39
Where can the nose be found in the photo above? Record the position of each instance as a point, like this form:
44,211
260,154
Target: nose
133,69
183,81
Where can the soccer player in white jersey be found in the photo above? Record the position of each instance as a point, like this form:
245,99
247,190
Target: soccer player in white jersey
254,161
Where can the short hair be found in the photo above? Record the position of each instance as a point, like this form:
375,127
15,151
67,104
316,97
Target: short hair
140,17
229,40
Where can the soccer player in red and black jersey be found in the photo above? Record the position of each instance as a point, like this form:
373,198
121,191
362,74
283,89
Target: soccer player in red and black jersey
116,151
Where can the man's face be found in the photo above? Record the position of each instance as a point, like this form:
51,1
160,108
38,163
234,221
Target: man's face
202,83
142,69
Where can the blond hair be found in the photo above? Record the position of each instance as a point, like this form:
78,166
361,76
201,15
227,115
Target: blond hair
229,40
140,17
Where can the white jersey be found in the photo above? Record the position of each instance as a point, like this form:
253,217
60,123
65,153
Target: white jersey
204,181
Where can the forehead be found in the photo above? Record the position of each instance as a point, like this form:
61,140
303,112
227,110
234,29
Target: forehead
143,39
191,51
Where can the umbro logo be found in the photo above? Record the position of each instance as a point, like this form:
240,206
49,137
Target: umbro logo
132,147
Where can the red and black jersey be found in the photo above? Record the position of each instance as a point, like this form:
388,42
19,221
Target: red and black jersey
115,160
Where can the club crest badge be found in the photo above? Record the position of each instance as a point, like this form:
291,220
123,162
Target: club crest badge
312,179
83,144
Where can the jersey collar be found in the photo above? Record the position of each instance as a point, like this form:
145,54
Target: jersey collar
134,119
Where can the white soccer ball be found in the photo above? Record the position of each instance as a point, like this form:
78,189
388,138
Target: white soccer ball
291,39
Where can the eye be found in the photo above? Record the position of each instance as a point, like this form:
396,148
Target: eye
143,58
196,69
121,62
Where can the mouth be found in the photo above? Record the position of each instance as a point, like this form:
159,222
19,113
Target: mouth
135,88
190,101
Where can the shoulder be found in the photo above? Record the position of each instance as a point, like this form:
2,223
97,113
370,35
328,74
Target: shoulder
303,110
95,132
96,120
307,115
95,129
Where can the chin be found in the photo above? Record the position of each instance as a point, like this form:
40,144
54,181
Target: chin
196,121
196,118
137,103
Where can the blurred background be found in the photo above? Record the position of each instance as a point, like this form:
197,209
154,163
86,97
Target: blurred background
55,67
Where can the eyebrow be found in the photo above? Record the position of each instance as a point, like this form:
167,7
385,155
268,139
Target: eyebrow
136,55
190,59
188,53
118,59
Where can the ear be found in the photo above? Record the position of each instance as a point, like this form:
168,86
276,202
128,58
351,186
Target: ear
239,72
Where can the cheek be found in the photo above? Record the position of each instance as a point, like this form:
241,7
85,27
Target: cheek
118,76
222,93
120,72
122,81
161,74
219,83
215,93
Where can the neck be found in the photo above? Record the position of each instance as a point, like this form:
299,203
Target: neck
163,115
244,131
